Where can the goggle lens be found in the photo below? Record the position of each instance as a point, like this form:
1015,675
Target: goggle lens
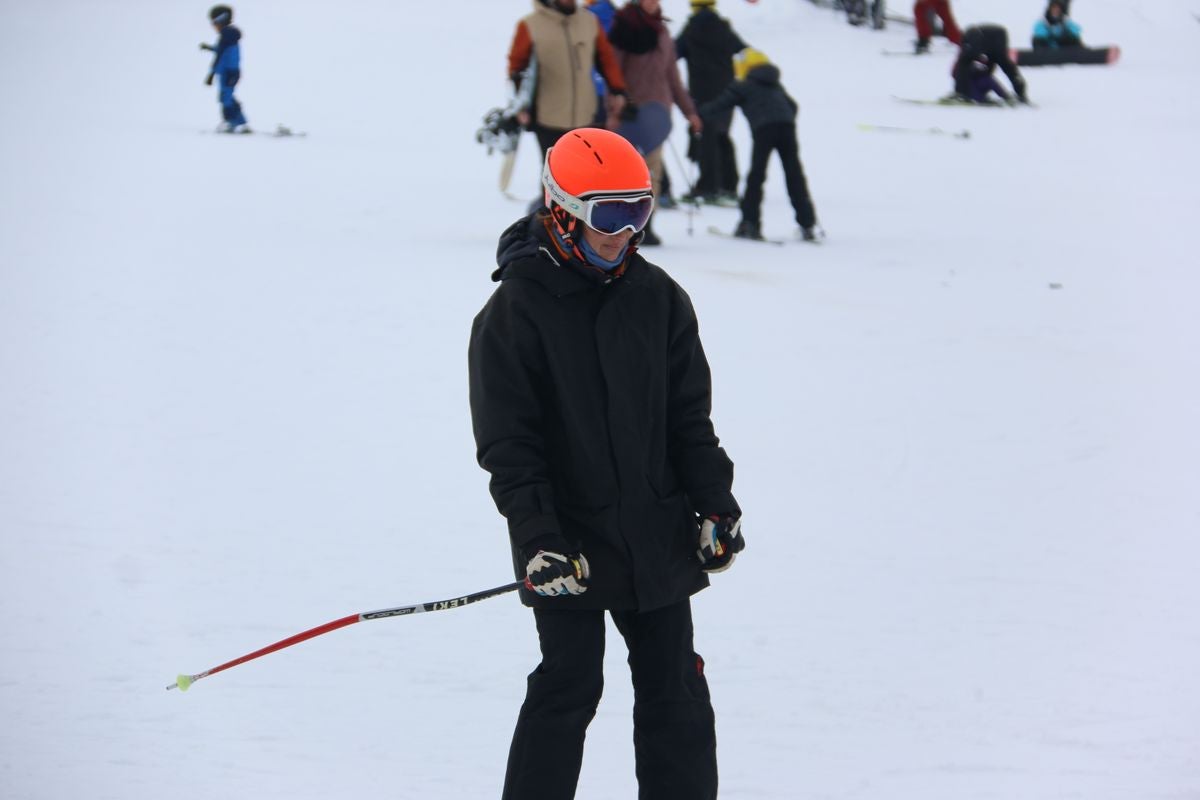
612,215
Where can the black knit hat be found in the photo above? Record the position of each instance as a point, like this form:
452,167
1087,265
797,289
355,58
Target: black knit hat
220,15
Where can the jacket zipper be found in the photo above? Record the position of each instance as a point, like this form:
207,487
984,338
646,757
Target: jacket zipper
574,69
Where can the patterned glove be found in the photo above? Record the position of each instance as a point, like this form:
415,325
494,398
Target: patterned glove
551,574
720,540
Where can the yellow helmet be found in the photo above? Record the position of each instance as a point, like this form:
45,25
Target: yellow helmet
747,60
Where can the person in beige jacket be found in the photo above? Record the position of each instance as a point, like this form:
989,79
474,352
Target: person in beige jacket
567,42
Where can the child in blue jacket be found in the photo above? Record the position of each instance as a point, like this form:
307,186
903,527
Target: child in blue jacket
226,67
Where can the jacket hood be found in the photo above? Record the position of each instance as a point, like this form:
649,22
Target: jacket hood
525,250
767,74
707,27
519,241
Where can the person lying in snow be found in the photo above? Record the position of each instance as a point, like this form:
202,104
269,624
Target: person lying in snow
1056,29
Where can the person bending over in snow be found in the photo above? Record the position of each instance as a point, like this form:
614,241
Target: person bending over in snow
226,67
1056,29
985,47
591,407
980,84
771,114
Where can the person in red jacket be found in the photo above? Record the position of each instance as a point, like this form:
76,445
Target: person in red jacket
923,11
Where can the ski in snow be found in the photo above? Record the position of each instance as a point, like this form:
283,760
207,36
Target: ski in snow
866,126
280,132
952,102
715,231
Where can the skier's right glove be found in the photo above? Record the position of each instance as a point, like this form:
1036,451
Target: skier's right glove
206,46
553,571
720,540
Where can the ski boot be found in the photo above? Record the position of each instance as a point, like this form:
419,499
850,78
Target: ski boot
724,200
812,233
921,46
878,15
649,237
748,230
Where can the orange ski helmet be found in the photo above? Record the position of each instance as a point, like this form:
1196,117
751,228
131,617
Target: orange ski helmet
598,178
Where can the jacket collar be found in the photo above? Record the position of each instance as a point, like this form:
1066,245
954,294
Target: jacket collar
527,250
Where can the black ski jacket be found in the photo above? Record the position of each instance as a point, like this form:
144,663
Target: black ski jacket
590,402
989,43
761,96
708,44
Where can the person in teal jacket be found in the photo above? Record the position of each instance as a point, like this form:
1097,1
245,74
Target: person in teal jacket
1056,29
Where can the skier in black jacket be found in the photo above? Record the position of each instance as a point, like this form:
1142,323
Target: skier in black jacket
771,114
708,44
985,47
590,401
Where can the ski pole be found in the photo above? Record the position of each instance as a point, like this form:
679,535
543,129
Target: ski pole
693,204
688,174
866,126
183,682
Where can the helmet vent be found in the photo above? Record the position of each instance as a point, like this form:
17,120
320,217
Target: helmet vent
588,145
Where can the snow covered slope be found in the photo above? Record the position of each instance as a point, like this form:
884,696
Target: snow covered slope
233,406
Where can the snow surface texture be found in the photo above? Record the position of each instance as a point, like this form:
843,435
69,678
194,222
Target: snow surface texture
234,407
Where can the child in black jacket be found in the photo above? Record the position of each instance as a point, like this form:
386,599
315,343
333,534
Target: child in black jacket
771,113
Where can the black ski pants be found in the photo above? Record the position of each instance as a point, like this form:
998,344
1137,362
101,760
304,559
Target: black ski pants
781,137
674,735
547,138
713,151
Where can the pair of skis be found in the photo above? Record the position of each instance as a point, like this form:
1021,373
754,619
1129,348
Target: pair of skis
281,132
954,101
715,231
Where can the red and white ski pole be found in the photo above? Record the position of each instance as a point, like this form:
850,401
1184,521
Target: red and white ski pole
184,682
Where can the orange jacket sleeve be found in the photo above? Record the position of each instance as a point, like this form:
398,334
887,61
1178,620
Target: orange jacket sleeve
520,51
606,62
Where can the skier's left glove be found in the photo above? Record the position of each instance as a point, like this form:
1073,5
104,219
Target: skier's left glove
206,46
1019,87
720,540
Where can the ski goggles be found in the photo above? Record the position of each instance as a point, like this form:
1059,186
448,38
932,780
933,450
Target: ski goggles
607,213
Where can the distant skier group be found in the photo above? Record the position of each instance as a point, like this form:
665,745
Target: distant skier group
616,68
984,47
